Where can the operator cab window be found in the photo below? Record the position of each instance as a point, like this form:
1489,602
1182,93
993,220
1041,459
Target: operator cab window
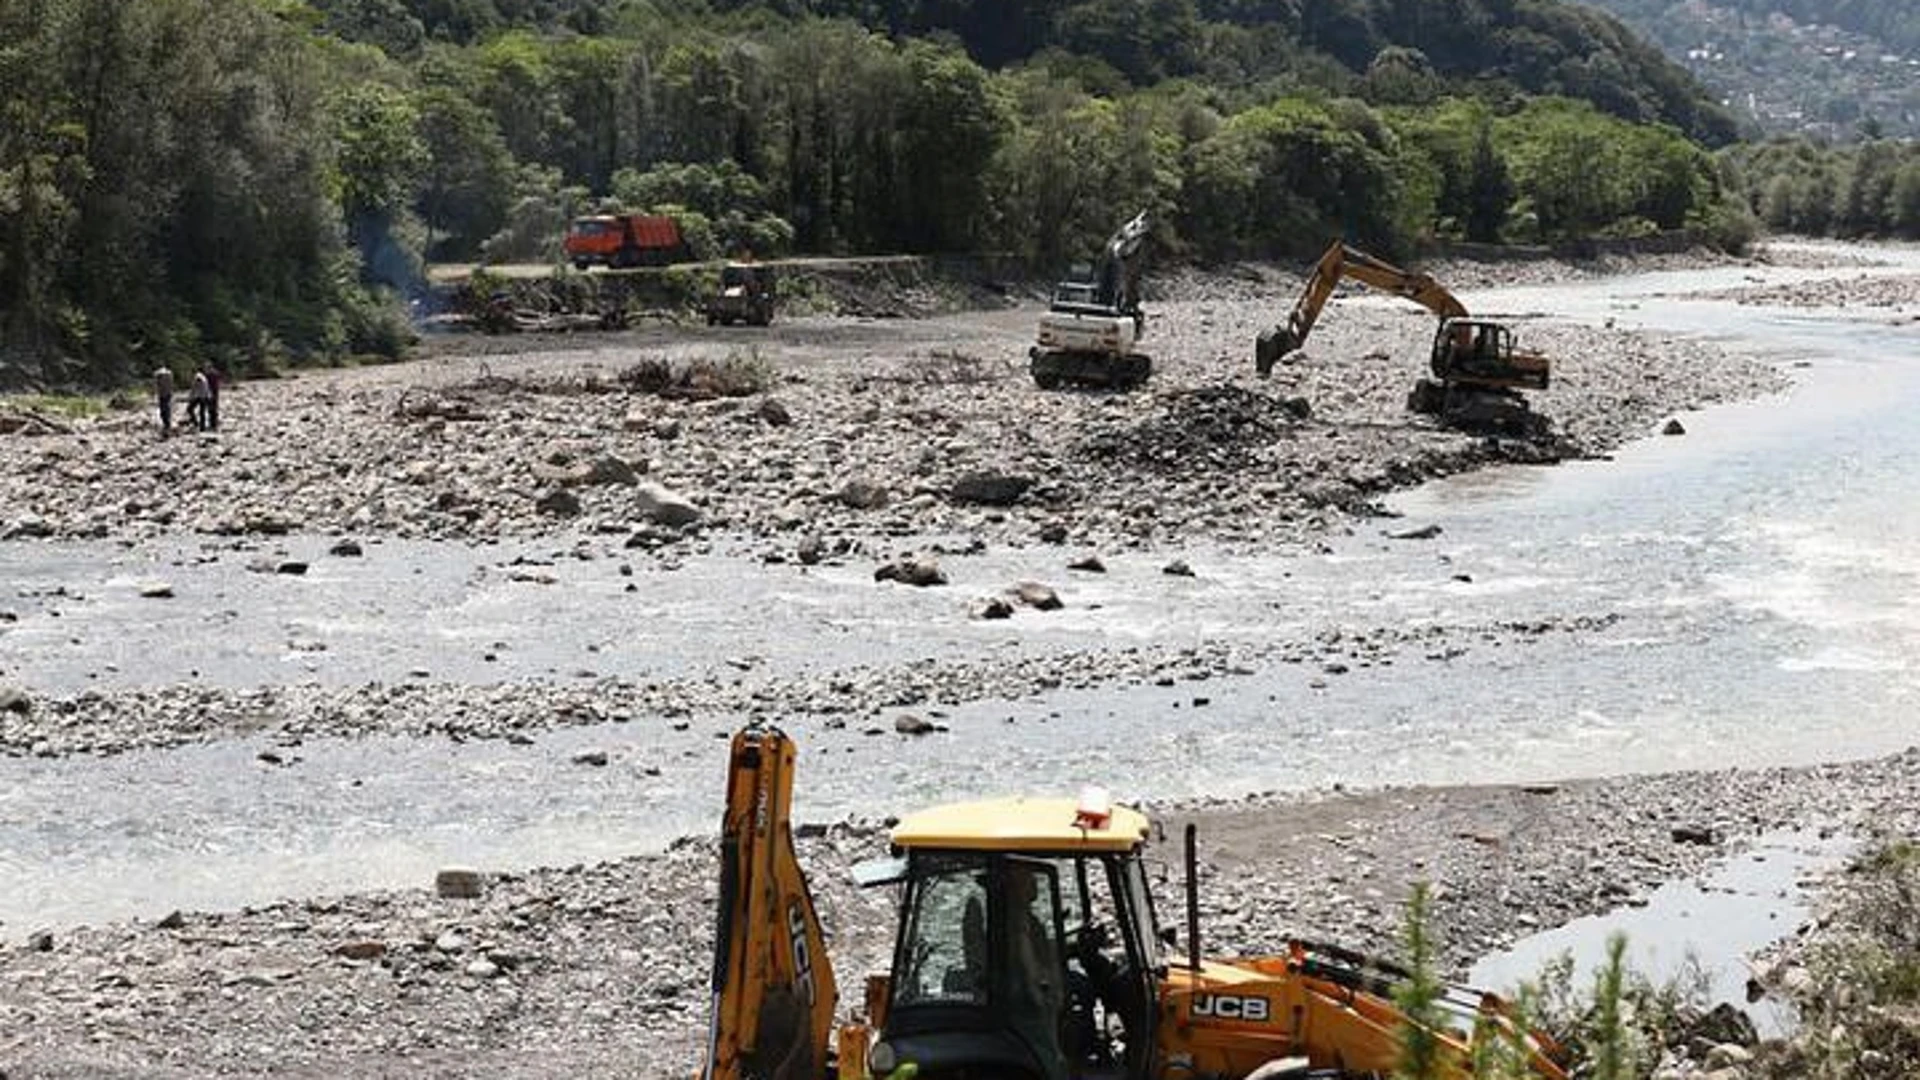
943,958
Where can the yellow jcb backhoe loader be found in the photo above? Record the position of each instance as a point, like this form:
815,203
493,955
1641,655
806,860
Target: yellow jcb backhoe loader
1477,374
1028,947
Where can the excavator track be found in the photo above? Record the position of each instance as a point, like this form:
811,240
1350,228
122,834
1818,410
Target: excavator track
1052,369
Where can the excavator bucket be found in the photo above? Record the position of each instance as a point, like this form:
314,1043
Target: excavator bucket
773,987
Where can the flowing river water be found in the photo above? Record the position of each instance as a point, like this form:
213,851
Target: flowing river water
1755,587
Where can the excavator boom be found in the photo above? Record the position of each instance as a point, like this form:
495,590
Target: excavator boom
1341,261
773,986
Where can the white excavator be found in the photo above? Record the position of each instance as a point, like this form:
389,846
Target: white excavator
1090,332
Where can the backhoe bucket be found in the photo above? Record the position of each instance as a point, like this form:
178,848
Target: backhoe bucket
1273,343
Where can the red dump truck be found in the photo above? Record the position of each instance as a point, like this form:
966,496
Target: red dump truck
622,240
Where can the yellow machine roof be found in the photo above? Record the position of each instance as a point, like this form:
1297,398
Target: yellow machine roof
1019,825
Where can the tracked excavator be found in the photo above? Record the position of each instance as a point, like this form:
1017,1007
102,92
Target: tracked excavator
1477,372
1029,945
1089,332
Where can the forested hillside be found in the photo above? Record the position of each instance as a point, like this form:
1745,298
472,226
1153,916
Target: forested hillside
1833,68
261,181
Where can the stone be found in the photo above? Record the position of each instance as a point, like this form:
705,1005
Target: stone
908,570
773,413
558,502
989,488
450,942
346,549
1703,835
1728,1055
663,507
909,724
1088,563
172,920
293,567
1424,532
483,969
40,941
28,528
1177,568
863,495
360,950
596,758
14,699
811,550
457,883
994,608
1053,532
158,590
637,421
1674,427
1038,596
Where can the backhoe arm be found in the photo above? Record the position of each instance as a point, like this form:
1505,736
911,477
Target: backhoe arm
773,987
1341,261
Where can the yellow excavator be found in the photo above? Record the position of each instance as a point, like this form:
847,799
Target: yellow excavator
1029,946
1477,373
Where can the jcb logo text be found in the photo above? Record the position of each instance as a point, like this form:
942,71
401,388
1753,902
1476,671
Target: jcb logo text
1230,1007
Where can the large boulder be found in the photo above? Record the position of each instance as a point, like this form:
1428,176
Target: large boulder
663,507
912,570
14,699
988,488
863,495
558,502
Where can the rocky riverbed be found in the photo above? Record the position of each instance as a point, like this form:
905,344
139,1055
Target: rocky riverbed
598,970
828,440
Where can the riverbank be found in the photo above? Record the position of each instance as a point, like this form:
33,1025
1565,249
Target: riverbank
599,970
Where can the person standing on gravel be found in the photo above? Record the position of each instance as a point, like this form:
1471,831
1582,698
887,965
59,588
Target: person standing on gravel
163,394
213,397
197,398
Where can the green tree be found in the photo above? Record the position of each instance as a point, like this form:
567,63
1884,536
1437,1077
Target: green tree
379,159
467,184
1489,193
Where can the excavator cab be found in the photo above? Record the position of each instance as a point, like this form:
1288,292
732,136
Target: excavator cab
1033,959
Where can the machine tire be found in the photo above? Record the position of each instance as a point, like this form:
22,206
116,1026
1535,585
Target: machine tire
1427,397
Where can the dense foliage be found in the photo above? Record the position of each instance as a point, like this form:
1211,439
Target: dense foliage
1870,189
259,179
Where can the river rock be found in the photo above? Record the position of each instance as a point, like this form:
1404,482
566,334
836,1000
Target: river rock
1088,563
909,724
360,950
558,502
994,608
1177,568
863,495
912,570
28,528
14,699
1035,595
294,567
157,590
457,883
664,507
773,413
347,549
1674,427
1424,532
989,488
